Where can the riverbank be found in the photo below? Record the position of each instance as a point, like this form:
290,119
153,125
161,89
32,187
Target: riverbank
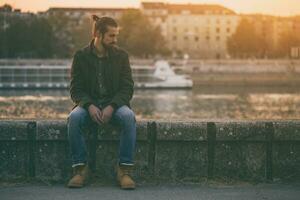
207,102
249,72
166,151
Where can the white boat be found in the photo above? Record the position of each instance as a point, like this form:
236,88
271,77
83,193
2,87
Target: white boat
160,76
57,76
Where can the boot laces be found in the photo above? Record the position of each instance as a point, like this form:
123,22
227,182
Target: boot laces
79,170
126,172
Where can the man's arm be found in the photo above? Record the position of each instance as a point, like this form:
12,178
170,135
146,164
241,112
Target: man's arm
125,92
78,95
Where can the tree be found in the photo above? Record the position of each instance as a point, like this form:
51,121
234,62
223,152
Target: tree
6,8
42,38
139,36
245,42
70,33
81,34
63,41
25,36
286,41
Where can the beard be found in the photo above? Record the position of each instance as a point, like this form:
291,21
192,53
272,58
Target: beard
107,46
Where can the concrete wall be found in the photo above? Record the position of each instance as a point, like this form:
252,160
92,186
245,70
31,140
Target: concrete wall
172,151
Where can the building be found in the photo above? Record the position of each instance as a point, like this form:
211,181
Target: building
269,27
7,12
86,12
200,31
81,14
272,28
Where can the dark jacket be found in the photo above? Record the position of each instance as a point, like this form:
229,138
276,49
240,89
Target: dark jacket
117,75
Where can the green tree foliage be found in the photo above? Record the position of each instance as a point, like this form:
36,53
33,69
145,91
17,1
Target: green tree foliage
70,33
25,37
62,34
81,34
139,36
245,42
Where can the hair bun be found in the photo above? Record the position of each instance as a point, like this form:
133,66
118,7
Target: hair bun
95,17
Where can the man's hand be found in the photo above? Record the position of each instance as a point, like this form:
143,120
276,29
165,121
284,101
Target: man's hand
95,114
107,113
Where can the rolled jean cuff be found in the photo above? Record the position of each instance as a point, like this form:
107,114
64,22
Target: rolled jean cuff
78,164
126,164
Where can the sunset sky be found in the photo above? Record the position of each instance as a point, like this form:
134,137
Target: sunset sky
274,7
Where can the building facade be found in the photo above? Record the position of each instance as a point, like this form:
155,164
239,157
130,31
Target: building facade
197,30
200,31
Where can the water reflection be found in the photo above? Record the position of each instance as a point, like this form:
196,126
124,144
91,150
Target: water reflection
201,103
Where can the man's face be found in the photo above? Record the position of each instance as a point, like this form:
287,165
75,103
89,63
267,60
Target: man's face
110,37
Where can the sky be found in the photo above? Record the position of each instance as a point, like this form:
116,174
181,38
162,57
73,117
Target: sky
273,7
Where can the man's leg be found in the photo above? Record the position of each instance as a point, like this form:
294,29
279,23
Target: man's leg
125,118
78,119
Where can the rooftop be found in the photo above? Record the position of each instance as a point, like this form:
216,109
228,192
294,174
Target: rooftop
193,8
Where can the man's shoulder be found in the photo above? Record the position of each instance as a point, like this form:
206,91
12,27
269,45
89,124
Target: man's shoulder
84,50
119,51
81,52
116,51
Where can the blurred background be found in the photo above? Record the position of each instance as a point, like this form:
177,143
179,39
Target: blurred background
206,59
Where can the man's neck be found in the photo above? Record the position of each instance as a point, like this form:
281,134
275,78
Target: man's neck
101,51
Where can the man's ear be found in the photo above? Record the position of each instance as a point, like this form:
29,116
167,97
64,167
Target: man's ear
97,34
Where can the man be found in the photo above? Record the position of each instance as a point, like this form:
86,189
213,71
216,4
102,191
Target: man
101,87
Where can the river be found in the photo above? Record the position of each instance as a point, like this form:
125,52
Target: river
199,103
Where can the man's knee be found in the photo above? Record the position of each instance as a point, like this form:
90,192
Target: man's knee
126,114
77,115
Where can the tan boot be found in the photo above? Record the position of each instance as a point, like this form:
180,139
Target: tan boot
80,176
124,178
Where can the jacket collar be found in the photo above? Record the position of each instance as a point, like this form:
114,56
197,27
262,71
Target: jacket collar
111,52
93,50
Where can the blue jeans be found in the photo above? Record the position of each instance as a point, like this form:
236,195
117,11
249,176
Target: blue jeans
79,118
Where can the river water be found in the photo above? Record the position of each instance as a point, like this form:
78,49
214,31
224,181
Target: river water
199,103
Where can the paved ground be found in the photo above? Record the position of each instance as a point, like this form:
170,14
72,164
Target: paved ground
153,192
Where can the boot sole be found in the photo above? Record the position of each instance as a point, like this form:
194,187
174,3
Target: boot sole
130,187
75,186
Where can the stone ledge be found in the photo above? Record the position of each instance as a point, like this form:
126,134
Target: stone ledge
167,150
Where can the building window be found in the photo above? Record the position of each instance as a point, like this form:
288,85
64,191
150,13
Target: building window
228,30
218,30
174,38
196,38
207,38
207,29
185,12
